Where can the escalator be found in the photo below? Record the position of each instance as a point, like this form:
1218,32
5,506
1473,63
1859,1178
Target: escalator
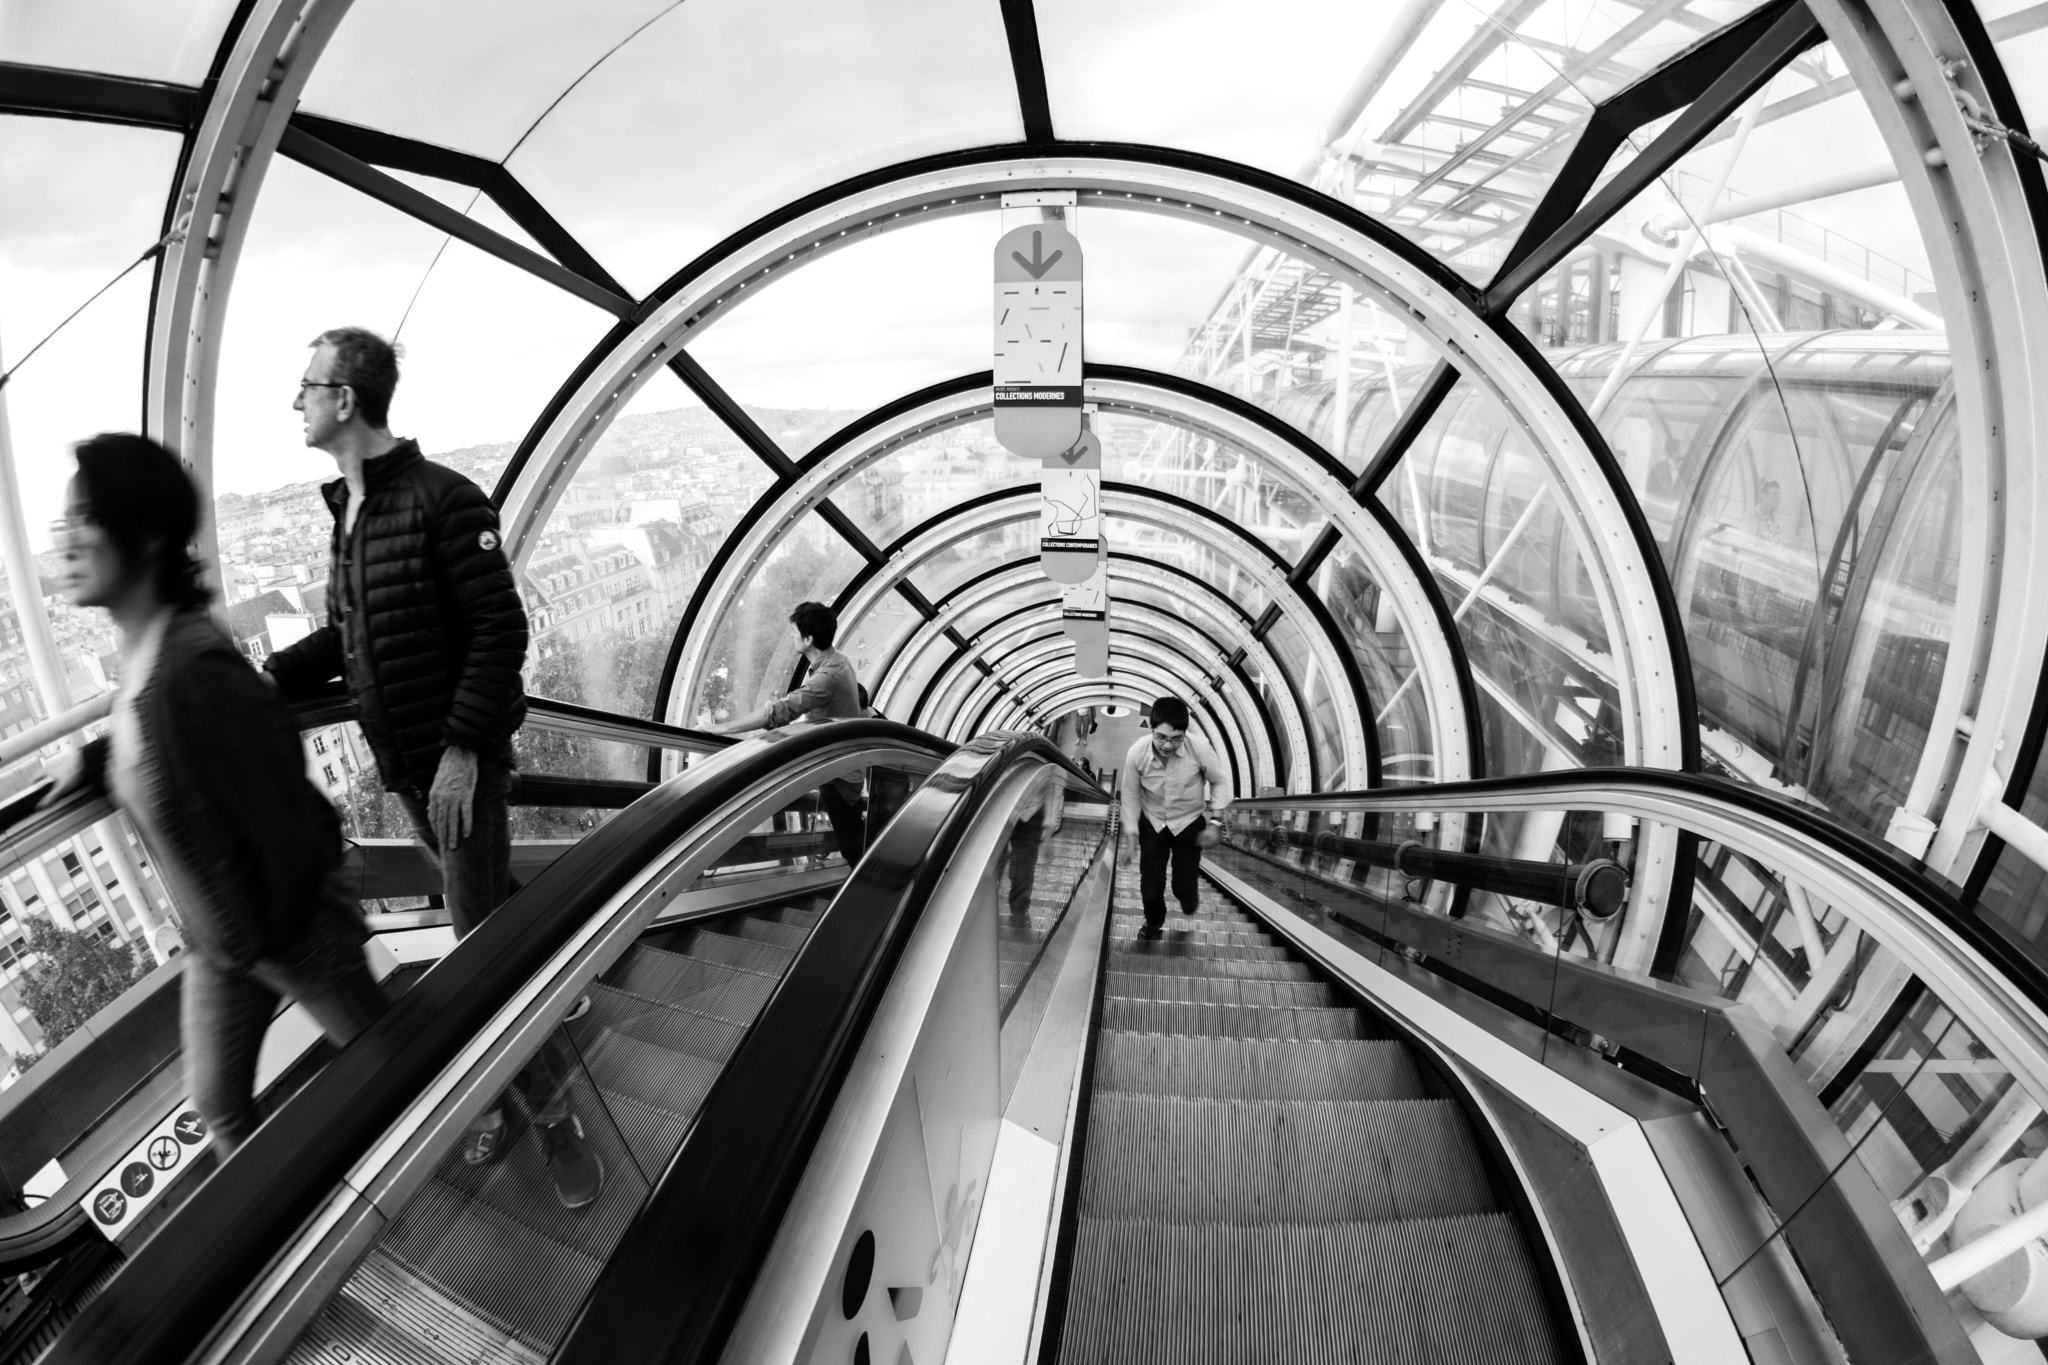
1257,1148
1392,1094
723,872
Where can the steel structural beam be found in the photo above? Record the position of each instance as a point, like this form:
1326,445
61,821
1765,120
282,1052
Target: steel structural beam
1670,87
359,175
47,92
212,205
1231,543
1027,61
1024,575
1449,696
1613,538
1791,31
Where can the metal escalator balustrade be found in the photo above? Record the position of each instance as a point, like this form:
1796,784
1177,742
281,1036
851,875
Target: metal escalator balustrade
941,901
1841,1064
345,1177
103,1089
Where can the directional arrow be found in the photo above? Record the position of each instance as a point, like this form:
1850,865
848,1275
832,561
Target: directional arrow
1039,262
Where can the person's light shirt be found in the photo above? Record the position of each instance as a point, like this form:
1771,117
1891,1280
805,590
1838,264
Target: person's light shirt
829,692
1172,787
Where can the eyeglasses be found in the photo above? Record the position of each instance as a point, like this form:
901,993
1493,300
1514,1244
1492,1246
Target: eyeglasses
74,533
1168,741
305,384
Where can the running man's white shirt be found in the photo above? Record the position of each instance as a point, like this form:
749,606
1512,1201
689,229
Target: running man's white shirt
1172,790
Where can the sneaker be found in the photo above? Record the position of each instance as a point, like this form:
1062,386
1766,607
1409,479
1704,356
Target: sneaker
1152,932
489,1137
578,1171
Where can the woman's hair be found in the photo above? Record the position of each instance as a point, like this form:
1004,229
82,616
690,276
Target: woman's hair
139,494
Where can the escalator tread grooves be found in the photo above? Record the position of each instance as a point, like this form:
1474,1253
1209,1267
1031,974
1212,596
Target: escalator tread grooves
1265,1174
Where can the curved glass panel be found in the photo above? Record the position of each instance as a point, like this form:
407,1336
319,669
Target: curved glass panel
83,202
648,170
156,40
872,639
1319,697
1226,479
754,648
1143,540
929,324
939,574
1447,130
319,255
1365,618
913,483
388,65
624,550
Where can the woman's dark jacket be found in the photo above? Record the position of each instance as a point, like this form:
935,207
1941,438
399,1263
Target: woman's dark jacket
423,620
243,838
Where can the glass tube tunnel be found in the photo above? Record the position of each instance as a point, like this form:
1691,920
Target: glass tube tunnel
1578,459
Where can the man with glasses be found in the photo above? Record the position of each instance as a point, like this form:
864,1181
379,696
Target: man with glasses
1172,788
425,626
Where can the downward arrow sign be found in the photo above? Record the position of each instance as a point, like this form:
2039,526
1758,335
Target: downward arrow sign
1039,262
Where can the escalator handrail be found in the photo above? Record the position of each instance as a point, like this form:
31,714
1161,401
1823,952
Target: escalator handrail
188,1276
678,1279
1969,959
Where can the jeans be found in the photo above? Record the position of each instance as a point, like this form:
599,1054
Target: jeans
1155,847
227,1012
1022,859
476,878
840,800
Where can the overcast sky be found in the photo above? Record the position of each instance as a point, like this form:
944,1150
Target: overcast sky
661,150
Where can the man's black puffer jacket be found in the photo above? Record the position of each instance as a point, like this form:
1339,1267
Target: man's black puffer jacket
433,655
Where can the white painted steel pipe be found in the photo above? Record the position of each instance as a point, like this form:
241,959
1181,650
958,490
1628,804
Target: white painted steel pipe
46,732
1735,241
1988,1250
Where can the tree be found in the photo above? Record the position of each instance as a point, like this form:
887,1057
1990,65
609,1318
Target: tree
76,977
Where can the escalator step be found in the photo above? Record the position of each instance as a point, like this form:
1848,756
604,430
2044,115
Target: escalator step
1219,990
766,931
649,1073
805,916
386,1315
1144,959
708,945
1271,1161
1231,1021
650,1021
1184,944
1255,1068
733,994
494,1264
1428,1291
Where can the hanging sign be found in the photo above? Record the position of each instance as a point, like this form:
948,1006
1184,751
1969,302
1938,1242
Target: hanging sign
1084,615
139,1179
1091,658
1038,340
1070,514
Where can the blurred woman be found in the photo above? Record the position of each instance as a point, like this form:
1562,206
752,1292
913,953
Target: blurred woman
206,761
